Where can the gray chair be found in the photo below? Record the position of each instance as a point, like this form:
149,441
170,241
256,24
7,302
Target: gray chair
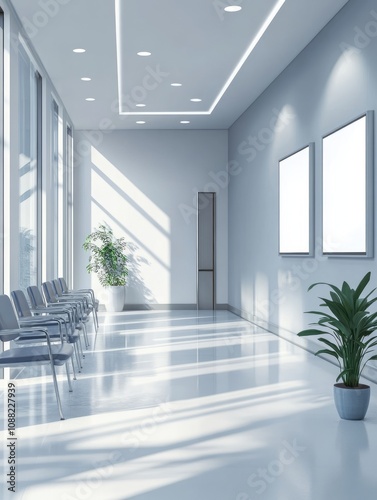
84,298
38,303
77,305
49,319
89,291
21,356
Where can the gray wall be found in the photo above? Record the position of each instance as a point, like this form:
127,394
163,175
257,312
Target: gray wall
143,183
331,82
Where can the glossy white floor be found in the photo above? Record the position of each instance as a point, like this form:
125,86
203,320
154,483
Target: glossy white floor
187,406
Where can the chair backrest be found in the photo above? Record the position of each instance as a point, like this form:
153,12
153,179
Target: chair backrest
21,304
57,287
63,284
35,296
8,318
49,292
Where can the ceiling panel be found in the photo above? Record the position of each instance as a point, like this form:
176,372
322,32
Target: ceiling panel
193,42
200,49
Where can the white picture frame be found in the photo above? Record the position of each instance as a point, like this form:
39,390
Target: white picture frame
347,189
296,203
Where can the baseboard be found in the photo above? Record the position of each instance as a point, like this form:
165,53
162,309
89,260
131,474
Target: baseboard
159,307
163,307
222,307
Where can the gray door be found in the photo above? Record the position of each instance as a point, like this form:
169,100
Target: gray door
206,251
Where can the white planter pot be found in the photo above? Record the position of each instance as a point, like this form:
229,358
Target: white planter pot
115,298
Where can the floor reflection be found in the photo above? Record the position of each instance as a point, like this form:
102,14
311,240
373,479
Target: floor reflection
187,405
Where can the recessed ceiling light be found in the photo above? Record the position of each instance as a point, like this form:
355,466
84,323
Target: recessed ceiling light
144,54
184,122
196,100
79,51
176,84
140,122
86,79
140,105
90,99
233,8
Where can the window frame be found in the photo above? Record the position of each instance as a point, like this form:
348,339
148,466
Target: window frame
36,117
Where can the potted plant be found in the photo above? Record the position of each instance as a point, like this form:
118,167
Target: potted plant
108,260
348,326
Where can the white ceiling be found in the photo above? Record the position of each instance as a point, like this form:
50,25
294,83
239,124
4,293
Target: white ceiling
193,42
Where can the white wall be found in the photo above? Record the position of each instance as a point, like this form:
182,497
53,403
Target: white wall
144,184
331,82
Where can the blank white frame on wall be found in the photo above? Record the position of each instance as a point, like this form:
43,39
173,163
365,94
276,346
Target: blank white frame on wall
347,189
296,203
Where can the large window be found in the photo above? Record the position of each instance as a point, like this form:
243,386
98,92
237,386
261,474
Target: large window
29,170
1,151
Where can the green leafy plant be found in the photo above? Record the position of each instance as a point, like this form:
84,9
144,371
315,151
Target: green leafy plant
349,327
107,258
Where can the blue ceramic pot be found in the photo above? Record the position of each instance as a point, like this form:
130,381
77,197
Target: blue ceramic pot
352,402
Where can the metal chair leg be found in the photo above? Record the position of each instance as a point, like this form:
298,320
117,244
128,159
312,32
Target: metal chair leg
57,390
81,352
96,324
85,335
73,369
79,365
68,378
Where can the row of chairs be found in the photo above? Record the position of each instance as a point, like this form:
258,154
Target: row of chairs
48,331
71,316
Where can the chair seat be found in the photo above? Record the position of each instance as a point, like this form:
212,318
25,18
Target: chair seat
38,337
71,339
53,329
23,355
